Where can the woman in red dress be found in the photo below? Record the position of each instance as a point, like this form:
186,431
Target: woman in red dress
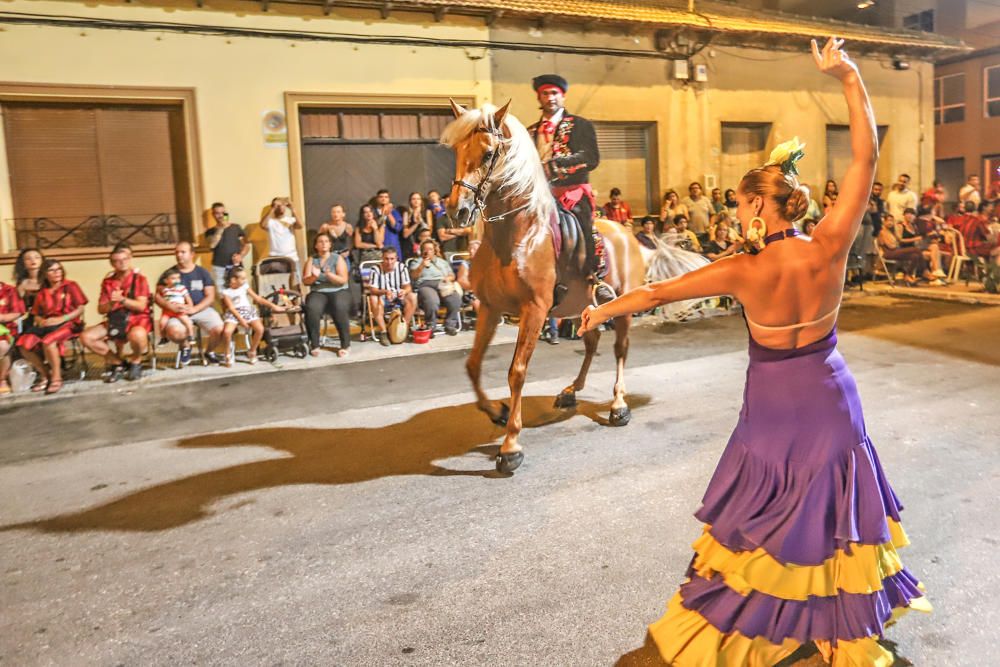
11,310
57,313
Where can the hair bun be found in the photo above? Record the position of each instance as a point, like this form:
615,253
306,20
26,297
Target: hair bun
797,203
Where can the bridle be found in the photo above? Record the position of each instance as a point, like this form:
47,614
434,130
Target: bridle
479,198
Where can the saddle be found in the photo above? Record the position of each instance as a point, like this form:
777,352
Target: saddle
571,249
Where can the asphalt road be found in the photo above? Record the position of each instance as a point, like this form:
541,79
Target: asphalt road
352,517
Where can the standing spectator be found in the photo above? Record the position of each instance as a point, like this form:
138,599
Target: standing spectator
451,238
877,208
933,199
970,191
808,226
390,220
901,197
238,301
56,317
718,204
280,222
202,288
11,311
228,242
435,205
28,275
125,301
699,210
813,210
415,218
618,210
435,283
390,288
671,208
341,231
686,239
369,235
731,204
327,277
720,246
830,193
647,235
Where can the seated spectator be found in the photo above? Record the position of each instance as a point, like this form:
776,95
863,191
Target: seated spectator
618,210
435,283
327,277
910,237
451,238
720,246
462,277
910,261
55,318
239,311
280,222
390,288
647,235
369,236
723,220
976,231
687,240
28,275
341,231
415,218
11,312
125,301
228,242
202,289
177,303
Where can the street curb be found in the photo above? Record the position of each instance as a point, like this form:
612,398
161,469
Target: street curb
933,294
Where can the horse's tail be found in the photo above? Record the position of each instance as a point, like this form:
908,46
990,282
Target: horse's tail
670,262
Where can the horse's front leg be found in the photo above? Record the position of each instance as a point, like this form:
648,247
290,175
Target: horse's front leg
486,326
567,397
532,318
620,414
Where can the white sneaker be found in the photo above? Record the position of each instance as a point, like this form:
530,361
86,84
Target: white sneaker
937,283
938,274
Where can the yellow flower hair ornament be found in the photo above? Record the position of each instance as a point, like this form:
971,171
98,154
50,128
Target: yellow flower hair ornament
786,155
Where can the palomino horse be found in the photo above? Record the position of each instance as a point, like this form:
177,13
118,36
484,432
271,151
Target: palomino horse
499,176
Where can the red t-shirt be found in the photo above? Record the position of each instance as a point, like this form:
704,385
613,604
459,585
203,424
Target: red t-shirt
10,300
56,301
111,283
621,214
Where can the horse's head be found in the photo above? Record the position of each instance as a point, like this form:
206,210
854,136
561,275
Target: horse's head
477,136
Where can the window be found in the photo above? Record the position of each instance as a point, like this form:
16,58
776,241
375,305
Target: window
923,21
744,146
838,149
625,164
949,99
991,91
87,175
366,125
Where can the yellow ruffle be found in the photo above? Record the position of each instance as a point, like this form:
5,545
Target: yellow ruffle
859,571
685,639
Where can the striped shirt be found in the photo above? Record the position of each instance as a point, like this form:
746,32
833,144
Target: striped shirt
395,279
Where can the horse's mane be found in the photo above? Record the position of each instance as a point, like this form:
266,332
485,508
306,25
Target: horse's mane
519,170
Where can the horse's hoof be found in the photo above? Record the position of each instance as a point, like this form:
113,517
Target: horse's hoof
501,419
620,416
566,399
507,463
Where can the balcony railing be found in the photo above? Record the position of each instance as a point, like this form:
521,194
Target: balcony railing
96,231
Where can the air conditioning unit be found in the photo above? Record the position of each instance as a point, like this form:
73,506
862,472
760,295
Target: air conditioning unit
681,70
711,182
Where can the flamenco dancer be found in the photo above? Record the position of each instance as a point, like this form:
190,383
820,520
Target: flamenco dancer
801,525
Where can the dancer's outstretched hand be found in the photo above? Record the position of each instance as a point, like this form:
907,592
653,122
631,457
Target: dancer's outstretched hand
833,60
590,319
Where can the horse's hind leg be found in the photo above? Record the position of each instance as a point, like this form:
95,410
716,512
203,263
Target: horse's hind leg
532,318
620,413
567,397
486,326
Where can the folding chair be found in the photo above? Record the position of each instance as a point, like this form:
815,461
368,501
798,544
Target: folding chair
365,268
888,266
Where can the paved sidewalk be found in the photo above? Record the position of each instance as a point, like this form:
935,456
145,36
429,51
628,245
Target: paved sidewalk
958,292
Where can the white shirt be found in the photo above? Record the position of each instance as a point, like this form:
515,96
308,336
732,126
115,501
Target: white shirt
238,295
969,193
544,142
900,200
281,236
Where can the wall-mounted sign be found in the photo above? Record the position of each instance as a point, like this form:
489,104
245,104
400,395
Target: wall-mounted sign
274,128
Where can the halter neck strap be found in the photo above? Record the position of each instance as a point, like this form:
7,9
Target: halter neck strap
781,236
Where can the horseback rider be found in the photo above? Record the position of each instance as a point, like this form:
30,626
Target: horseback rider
567,145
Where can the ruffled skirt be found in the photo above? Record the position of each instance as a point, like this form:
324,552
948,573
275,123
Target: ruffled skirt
801,529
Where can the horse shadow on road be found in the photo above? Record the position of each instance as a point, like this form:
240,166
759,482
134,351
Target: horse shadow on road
320,456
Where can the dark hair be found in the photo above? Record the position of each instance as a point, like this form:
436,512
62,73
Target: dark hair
217,205
20,270
906,176
321,235
970,207
694,183
383,191
666,195
615,192
878,183
121,246
438,193
166,274
389,250
770,182
44,271
232,271
728,190
826,188
361,214
187,243
973,176
679,217
649,218
423,202
935,183
983,205
923,210
910,211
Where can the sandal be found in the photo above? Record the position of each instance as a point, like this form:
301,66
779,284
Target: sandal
4,388
252,359
342,352
40,385
54,386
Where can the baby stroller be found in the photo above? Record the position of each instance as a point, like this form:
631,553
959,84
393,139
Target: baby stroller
275,281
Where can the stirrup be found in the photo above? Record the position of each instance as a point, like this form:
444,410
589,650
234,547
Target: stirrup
601,292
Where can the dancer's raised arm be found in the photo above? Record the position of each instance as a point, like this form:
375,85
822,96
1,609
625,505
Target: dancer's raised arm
840,226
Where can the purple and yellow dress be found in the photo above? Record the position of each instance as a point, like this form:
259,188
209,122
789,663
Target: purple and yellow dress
801,528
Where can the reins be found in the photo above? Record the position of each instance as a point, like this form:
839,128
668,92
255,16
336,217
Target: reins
479,202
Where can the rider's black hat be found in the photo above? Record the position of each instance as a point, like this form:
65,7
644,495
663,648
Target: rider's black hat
550,80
